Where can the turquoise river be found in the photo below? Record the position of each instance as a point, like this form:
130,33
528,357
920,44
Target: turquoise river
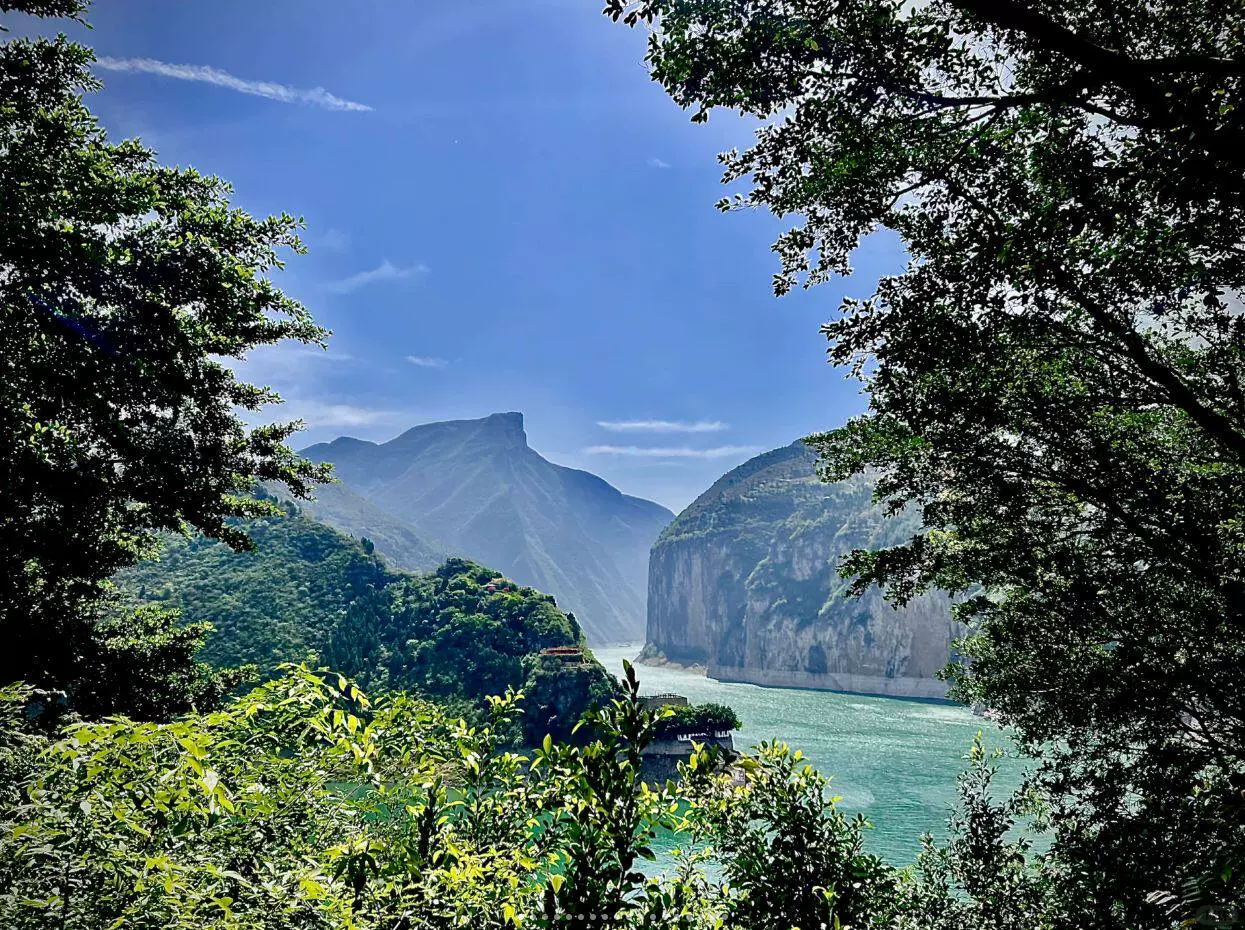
893,760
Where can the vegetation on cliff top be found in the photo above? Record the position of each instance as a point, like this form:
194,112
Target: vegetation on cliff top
782,487
307,592
696,719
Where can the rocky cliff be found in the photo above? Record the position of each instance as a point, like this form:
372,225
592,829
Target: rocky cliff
744,581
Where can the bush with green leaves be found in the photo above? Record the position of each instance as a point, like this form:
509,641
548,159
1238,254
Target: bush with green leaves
789,857
302,804
305,804
987,876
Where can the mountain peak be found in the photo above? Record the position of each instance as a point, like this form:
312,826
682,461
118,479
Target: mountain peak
478,486
505,424
502,429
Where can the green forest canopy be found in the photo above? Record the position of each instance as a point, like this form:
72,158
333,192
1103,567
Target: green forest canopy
308,592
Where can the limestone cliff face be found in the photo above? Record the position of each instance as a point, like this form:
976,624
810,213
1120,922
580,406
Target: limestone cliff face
744,581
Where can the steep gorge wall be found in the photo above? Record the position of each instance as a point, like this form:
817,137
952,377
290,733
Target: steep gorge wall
744,582
693,600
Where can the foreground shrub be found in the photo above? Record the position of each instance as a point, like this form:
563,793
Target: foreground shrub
305,804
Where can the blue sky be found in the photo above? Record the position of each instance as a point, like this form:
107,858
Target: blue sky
503,213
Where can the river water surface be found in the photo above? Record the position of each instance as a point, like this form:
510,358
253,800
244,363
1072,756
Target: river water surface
893,760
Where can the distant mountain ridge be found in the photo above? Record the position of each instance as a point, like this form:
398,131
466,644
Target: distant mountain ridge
400,543
745,582
478,489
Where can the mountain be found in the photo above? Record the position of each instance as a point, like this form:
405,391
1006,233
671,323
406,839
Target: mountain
744,581
399,542
481,490
457,634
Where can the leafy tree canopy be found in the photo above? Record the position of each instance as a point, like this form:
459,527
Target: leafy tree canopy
126,288
1054,381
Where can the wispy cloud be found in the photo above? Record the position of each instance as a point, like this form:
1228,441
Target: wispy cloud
344,415
304,376
316,96
287,364
663,426
321,414
427,361
333,239
385,271
676,452
656,162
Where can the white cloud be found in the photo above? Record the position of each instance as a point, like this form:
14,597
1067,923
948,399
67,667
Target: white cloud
342,415
320,414
206,74
663,426
656,162
299,373
333,239
385,271
427,361
286,364
676,452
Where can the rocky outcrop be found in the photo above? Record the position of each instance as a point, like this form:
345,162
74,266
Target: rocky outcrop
660,760
745,582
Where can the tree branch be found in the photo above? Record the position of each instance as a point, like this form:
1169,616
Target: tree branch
1111,68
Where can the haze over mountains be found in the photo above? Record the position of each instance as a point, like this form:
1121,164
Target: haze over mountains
743,582
475,487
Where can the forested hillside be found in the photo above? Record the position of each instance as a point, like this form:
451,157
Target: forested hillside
307,592
277,603
463,633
